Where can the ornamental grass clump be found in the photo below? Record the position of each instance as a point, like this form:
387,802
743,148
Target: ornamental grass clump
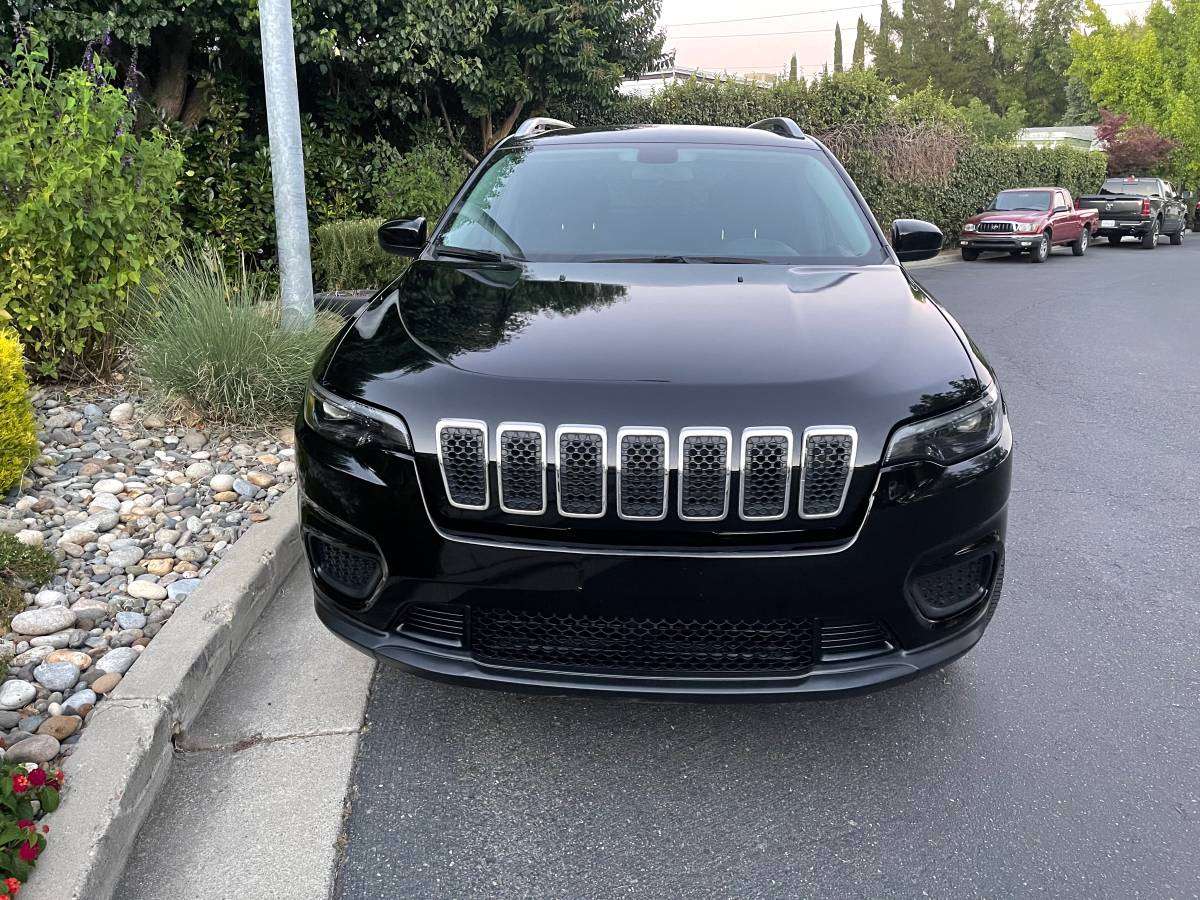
18,434
208,340
347,257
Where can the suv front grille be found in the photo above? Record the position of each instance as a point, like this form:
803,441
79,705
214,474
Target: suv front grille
995,227
642,474
706,461
649,646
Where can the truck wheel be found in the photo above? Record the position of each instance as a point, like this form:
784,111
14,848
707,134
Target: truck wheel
1114,239
1150,238
1079,247
970,255
1177,238
1040,250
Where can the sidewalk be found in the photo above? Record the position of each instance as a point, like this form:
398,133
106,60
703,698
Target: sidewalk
253,807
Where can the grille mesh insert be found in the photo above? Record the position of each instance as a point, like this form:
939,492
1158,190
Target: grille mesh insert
704,477
842,639
581,473
643,480
344,570
522,480
765,470
642,645
827,460
464,464
444,625
995,227
946,590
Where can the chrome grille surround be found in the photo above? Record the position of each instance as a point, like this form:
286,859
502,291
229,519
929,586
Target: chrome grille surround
826,468
996,227
705,462
643,464
766,468
581,453
462,448
521,459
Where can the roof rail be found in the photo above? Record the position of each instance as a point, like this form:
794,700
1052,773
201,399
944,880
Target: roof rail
781,125
538,124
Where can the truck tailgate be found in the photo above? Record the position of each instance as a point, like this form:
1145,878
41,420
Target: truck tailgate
1114,207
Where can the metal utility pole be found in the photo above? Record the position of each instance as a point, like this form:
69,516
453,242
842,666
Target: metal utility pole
287,162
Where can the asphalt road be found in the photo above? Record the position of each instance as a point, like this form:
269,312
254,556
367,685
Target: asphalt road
1061,757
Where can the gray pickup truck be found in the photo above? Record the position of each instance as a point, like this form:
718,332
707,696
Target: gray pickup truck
1138,207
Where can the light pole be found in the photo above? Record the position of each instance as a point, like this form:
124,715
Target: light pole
287,163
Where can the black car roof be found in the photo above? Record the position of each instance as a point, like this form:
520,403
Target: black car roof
681,134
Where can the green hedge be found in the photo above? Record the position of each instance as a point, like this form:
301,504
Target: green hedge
964,172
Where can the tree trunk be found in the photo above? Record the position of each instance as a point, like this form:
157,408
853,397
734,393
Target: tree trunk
509,123
196,108
171,47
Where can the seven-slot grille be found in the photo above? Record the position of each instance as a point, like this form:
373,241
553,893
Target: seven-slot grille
643,457
995,227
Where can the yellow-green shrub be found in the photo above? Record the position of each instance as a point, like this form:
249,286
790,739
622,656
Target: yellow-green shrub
18,436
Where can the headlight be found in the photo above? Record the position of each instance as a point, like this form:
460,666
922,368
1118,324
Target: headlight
1026,227
353,424
970,226
952,437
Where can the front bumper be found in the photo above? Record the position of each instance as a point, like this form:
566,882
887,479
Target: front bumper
916,523
1124,228
1001,243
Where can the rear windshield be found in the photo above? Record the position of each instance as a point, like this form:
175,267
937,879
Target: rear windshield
1014,200
629,202
1137,188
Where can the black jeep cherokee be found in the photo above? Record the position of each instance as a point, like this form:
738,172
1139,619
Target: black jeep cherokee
657,411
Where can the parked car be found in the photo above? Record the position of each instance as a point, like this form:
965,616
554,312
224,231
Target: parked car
1138,207
657,411
1029,220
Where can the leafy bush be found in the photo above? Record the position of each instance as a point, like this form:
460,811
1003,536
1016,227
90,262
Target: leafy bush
208,339
87,205
347,256
18,434
421,182
21,840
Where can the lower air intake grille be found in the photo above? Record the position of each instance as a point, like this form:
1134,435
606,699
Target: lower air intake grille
842,640
462,451
443,625
704,476
953,589
522,474
824,473
643,476
766,475
642,646
581,468
344,570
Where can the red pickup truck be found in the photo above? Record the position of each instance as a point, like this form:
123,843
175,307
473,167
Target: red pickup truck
1029,220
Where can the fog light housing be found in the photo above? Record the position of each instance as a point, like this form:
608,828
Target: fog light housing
953,587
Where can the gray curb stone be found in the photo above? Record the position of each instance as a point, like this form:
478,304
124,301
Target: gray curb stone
125,755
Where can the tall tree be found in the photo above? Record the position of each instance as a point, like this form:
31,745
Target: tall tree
858,59
1149,71
881,42
1081,108
837,47
1047,55
793,73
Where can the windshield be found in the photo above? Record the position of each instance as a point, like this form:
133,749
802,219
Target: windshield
1137,188
1014,200
662,202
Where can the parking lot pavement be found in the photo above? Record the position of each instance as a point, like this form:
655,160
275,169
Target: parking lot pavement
1058,758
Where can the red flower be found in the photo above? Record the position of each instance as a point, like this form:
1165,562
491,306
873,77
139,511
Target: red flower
20,784
12,884
37,777
26,823
5,897
28,852
45,829
57,779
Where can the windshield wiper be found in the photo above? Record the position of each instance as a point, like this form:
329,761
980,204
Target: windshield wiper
474,255
681,259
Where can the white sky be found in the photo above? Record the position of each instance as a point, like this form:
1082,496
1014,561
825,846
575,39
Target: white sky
803,27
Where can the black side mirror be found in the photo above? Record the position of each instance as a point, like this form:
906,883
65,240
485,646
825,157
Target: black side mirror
1059,209
404,237
913,239
978,210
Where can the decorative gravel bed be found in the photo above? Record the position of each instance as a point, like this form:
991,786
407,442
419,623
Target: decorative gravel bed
136,510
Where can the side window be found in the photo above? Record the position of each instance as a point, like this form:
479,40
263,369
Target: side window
1168,191
1059,199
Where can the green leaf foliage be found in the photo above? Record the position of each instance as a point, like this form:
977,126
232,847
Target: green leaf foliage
87,207
346,256
18,434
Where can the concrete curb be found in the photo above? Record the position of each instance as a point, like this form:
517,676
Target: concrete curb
950,255
125,756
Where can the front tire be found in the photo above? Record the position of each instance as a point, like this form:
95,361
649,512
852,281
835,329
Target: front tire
1039,251
1081,243
1114,239
969,255
1150,238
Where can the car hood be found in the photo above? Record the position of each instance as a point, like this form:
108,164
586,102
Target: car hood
689,324
1013,216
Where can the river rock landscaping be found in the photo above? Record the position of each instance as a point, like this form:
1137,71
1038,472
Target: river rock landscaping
136,509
